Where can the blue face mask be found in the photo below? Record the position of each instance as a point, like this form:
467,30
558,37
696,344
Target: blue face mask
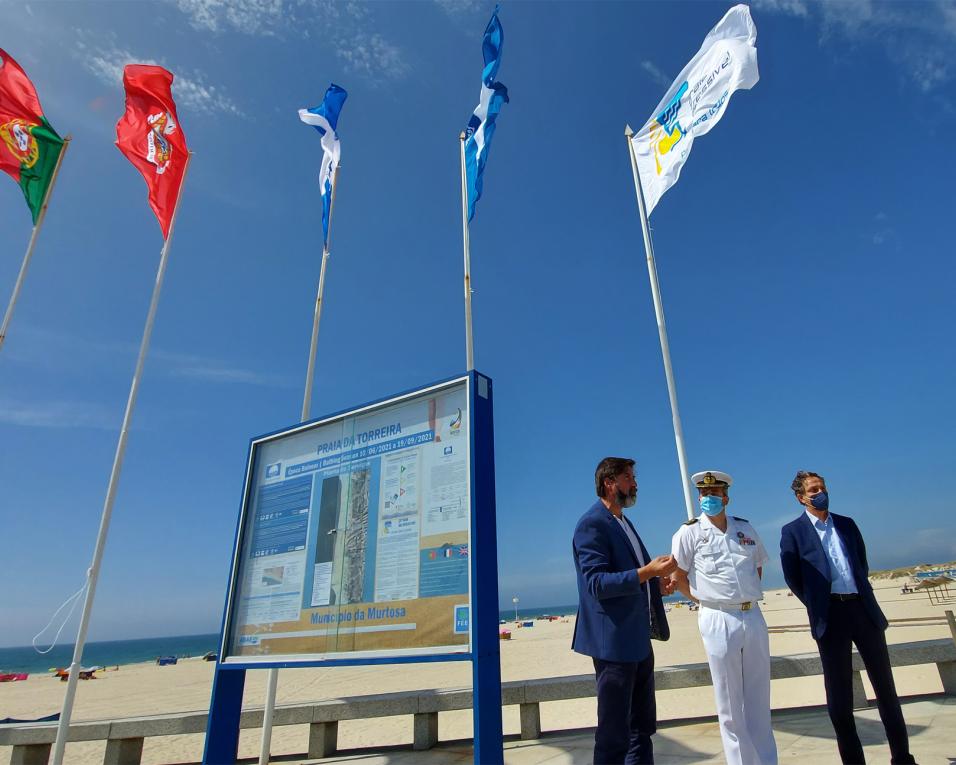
712,505
820,501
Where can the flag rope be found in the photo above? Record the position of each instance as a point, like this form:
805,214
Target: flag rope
74,599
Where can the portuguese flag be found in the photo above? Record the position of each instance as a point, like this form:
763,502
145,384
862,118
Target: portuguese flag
29,146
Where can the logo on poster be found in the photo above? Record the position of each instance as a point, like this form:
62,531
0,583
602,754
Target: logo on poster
462,626
273,471
454,425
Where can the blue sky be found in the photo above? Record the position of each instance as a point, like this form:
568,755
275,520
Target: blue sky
804,257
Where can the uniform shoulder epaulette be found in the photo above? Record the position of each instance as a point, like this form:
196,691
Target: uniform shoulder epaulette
691,522
739,519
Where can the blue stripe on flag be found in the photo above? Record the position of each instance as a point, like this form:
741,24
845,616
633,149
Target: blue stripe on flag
481,126
325,119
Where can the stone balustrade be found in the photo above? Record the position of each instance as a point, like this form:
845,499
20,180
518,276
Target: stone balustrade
124,738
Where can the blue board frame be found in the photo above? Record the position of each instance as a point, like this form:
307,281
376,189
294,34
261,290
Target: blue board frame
225,706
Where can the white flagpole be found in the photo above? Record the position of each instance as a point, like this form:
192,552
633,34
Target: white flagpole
310,372
93,573
33,240
469,339
272,681
661,329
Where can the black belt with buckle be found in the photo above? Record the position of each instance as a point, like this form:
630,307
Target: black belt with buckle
844,596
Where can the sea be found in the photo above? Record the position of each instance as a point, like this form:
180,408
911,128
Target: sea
508,614
107,653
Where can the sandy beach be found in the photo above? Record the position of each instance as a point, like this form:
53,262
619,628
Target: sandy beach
541,651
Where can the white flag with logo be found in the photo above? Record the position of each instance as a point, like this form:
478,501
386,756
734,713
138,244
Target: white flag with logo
727,61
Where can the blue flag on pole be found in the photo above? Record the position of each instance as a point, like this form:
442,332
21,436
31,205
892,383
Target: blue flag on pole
481,126
325,119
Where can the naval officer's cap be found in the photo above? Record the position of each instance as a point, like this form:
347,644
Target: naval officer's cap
711,478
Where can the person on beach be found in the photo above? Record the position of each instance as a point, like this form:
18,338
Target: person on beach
720,562
824,563
620,609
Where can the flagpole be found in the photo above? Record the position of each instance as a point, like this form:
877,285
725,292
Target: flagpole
469,339
63,727
33,240
272,681
661,328
310,372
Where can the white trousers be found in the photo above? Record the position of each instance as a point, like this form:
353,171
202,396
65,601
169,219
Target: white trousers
738,651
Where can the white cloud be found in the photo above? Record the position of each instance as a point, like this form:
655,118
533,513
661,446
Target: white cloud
789,7
918,38
347,27
456,7
58,414
56,351
372,55
919,546
205,369
949,19
656,74
190,90
249,16
884,231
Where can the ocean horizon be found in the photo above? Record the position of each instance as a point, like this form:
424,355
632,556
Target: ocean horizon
107,653
111,653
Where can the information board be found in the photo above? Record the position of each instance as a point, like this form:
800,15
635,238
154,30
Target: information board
355,535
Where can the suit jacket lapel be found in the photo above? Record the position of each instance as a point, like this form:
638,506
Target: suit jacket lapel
651,589
811,531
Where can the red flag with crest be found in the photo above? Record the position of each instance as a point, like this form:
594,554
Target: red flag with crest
150,136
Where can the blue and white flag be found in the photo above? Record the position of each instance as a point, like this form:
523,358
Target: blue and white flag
325,119
481,126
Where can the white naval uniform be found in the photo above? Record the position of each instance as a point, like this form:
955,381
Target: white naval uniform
722,570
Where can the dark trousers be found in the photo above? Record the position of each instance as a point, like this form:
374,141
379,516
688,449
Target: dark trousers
848,622
627,712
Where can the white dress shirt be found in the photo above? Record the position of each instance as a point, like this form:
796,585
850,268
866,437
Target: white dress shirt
841,574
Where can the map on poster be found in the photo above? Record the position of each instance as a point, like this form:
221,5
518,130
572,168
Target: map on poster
355,535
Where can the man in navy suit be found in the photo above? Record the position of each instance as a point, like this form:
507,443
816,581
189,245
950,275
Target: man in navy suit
824,563
620,610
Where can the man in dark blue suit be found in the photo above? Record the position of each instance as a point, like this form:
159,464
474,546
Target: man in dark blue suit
620,609
824,563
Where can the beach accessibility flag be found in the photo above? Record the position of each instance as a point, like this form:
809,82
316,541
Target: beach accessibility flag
726,62
150,136
29,146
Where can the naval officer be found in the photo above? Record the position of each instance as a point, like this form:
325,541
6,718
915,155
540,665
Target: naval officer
720,560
